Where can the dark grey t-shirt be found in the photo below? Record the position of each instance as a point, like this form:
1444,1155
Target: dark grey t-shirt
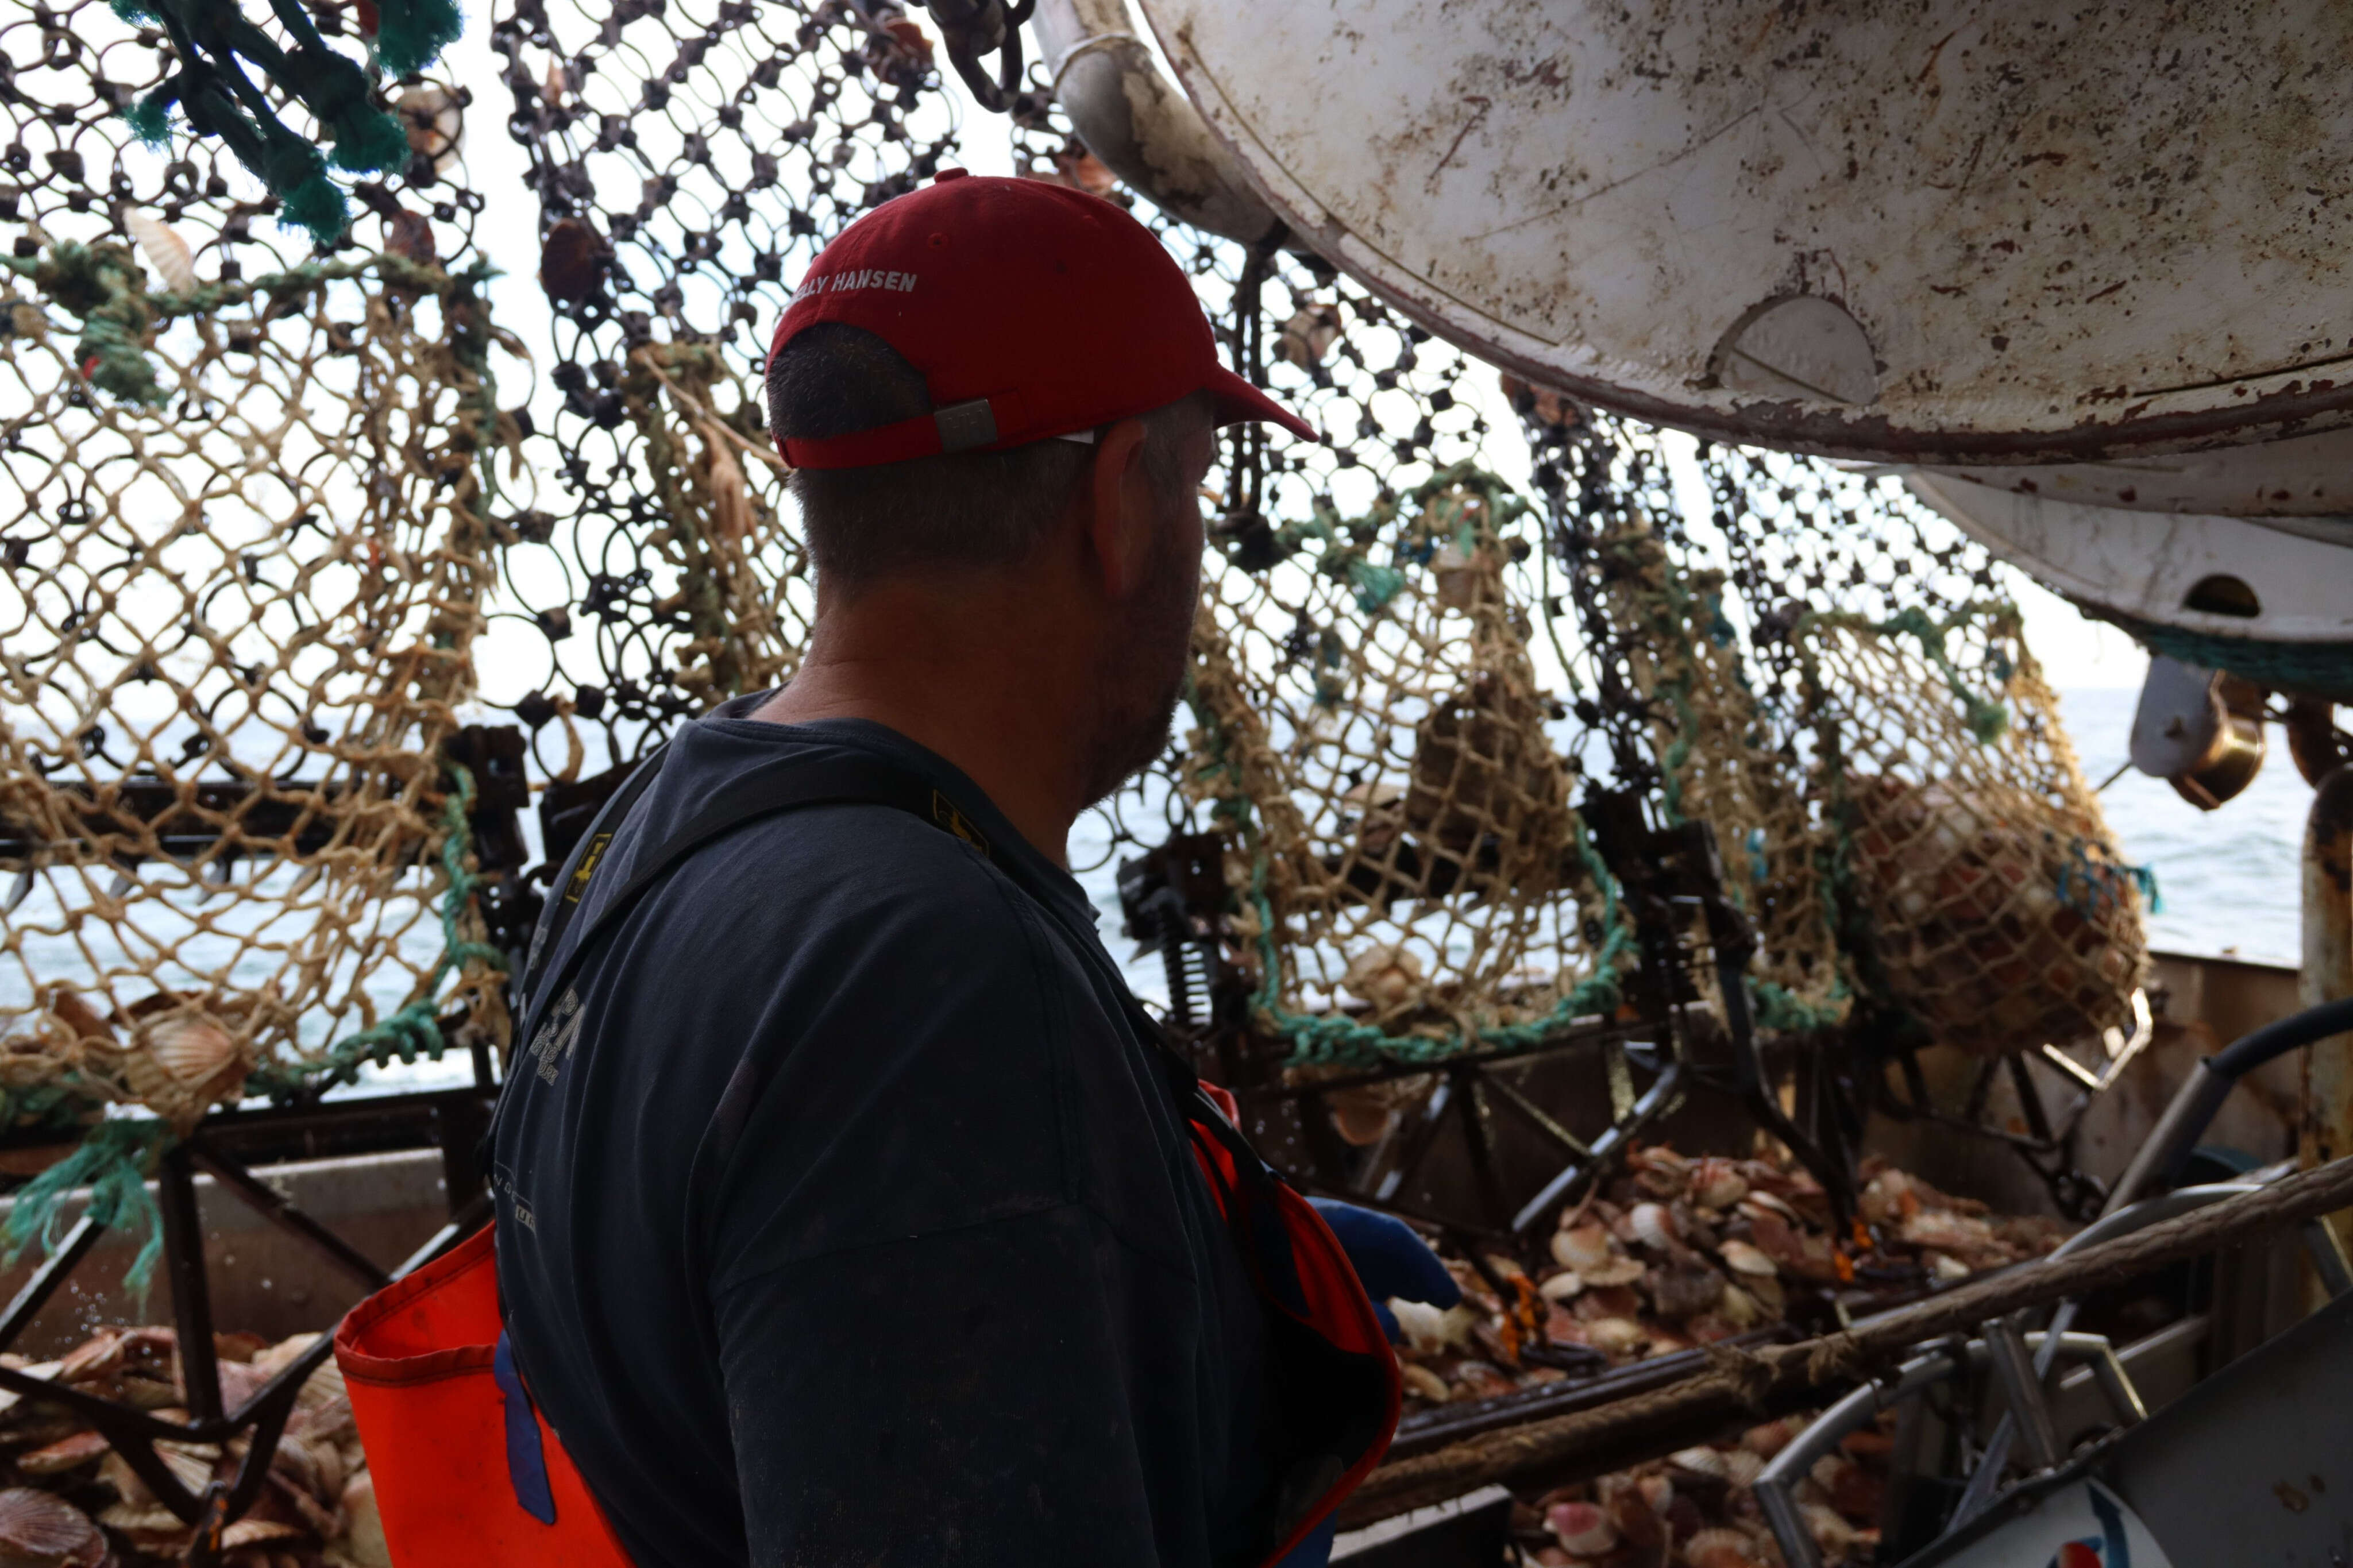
857,1225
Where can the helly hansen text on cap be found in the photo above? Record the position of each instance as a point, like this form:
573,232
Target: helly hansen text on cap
1033,311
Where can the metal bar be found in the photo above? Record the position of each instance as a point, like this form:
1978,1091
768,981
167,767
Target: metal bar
268,1412
2015,1367
1981,1486
2326,1127
1473,1113
1537,1114
2029,1098
1662,1093
192,1307
2116,1386
36,1292
1596,1030
2329,1264
1417,1140
281,1211
1432,1429
2072,1068
97,1410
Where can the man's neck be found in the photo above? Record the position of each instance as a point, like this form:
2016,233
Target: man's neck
980,690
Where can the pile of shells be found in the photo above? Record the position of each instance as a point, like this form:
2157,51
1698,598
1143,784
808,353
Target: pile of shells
68,1500
1696,1508
1676,1253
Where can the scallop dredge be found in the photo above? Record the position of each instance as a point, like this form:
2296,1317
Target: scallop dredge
71,1500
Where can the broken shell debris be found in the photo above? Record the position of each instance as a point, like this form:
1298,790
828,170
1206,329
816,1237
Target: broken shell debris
1677,1253
1697,1508
68,1500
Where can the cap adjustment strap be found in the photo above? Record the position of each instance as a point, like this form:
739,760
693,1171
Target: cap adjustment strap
964,425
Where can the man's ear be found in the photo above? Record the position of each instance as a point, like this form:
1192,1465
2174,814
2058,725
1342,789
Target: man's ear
1121,521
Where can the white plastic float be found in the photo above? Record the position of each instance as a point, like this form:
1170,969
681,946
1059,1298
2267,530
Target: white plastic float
2008,233
2266,598
2306,475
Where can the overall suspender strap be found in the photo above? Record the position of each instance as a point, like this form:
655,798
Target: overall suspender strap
780,786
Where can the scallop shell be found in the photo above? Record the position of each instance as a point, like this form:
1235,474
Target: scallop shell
65,1454
1718,1184
435,121
259,1533
1560,1287
362,1543
1582,1247
1702,1461
38,1530
1384,975
1420,1380
1720,1548
1615,1336
1768,1438
1582,1530
1616,1272
165,251
1685,1291
1832,1533
183,1063
1428,1328
1652,1225
1747,1258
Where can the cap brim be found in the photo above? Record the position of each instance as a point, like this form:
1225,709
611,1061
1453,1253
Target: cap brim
1240,402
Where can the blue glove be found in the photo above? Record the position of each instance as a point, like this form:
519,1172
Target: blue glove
1389,1259
1315,1552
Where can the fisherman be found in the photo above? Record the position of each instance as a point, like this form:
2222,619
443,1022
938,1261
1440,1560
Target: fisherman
850,1210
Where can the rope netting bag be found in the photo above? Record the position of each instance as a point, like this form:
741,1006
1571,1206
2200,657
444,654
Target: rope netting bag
1723,759
1987,894
237,615
1409,877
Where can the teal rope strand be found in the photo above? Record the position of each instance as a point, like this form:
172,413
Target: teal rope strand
113,1162
413,1030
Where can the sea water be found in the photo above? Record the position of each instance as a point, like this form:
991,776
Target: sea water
2227,881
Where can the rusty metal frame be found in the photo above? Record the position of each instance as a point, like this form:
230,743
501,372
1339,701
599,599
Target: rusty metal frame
1671,880
225,1146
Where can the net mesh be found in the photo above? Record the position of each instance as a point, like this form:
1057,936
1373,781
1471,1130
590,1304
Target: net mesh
1402,680
239,622
1834,679
1409,875
1992,904
244,519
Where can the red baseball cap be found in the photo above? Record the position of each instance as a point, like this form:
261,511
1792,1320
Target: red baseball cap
1033,310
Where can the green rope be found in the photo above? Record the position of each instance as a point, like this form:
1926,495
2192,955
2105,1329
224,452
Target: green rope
2090,880
1779,1009
1334,1039
113,1162
1344,553
410,33
213,43
116,1156
103,284
415,1030
1986,719
2324,668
